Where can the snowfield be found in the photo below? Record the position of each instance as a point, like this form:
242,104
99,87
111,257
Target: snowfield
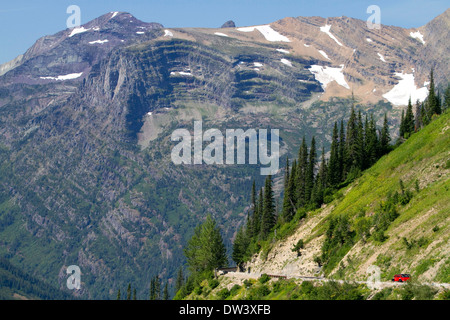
267,32
77,31
326,29
181,73
65,77
417,35
325,75
257,64
283,51
220,34
381,57
324,54
168,33
369,40
406,88
99,41
286,62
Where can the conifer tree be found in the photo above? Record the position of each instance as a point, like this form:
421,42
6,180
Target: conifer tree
129,292
268,216
333,169
342,154
360,143
205,251
371,142
309,183
166,292
134,294
432,101
418,119
301,173
352,142
402,125
409,119
118,295
240,246
288,210
385,137
180,279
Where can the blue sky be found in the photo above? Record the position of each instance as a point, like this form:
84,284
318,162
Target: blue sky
22,22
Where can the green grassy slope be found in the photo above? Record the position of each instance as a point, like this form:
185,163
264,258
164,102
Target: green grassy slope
418,239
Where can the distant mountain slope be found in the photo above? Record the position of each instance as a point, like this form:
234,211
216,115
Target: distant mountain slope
16,284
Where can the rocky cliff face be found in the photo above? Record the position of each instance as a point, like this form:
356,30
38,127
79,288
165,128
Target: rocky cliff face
86,117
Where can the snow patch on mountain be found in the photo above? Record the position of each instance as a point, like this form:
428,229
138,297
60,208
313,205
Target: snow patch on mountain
283,51
406,88
77,31
381,57
417,35
267,32
369,40
257,64
324,54
168,33
140,32
181,73
220,34
114,14
325,75
286,62
64,77
98,41
326,29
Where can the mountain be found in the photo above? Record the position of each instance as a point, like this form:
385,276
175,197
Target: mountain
87,114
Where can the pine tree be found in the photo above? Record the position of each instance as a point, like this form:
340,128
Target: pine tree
288,209
360,143
301,173
180,280
166,292
385,137
240,245
352,142
134,294
118,295
268,217
418,119
286,173
432,105
333,169
342,154
409,119
309,183
371,142
402,125
129,292
205,251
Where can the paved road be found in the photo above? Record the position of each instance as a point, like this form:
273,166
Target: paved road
375,285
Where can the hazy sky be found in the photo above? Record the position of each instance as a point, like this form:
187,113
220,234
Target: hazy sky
22,22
